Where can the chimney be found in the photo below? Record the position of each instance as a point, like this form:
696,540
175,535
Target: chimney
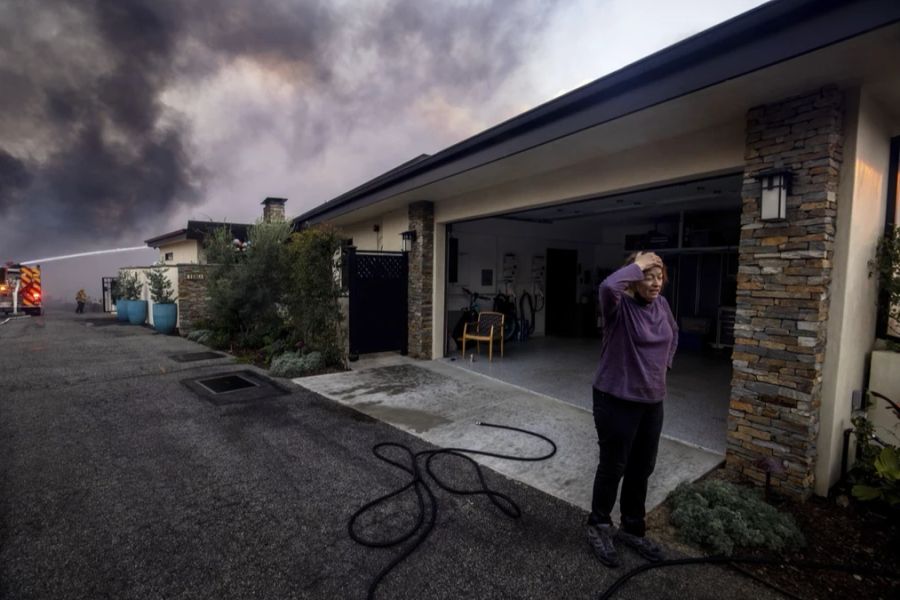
273,209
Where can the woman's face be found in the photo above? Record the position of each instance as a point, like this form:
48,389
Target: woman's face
650,287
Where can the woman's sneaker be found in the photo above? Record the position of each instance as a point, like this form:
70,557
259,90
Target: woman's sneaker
643,545
600,537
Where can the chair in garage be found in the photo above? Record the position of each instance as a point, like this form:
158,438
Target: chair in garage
487,328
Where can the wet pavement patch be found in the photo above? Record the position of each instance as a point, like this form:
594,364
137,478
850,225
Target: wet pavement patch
194,356
234,388
103,322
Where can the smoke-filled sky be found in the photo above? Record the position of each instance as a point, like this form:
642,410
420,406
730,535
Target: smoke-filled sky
121,119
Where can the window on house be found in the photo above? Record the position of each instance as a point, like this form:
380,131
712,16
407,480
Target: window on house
169,256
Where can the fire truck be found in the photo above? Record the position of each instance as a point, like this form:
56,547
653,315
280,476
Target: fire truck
20,289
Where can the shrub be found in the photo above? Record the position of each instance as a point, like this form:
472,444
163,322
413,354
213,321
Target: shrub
248,284
876,473
313,301
718,515
160,286
293,364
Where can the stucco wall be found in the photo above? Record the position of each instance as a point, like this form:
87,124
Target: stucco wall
185,252
851,323
387,238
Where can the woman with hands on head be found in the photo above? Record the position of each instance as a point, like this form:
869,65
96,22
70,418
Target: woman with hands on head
639,341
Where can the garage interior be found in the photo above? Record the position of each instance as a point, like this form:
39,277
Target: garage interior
554,258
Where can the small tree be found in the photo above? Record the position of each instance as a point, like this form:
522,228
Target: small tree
130,285
161,290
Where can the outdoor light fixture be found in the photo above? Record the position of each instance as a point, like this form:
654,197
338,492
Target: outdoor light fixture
775,189
407,239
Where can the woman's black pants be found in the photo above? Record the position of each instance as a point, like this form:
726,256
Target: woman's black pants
628,436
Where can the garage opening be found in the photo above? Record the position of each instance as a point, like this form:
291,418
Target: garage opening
548,263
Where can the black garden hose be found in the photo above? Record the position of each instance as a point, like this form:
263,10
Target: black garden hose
856,569
531,310
423,526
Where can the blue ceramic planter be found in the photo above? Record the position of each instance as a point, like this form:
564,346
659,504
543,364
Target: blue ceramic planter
164,318
137,312
122,310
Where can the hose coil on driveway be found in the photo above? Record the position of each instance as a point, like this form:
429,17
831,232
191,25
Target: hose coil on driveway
424,524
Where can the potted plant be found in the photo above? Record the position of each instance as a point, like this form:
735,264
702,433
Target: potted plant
137,308
165,311
126,287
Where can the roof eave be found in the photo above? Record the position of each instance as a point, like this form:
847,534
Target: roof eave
765,36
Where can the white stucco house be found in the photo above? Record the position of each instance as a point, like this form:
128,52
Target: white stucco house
678,152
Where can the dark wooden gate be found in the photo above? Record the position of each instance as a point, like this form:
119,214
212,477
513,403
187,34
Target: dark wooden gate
378,305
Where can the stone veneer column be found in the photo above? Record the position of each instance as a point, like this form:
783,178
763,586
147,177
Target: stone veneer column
193,296
782,290
421,275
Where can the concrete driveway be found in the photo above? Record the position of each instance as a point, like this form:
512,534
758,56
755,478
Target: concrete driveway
442,404
118,481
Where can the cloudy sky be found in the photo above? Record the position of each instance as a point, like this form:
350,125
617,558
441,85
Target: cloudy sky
121,119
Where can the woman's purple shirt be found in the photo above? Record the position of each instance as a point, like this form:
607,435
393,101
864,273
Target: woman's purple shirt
639,341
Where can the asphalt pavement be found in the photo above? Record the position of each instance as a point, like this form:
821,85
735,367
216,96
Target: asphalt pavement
119,480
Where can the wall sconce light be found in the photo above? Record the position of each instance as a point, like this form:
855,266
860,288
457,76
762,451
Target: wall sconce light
775,189
407,238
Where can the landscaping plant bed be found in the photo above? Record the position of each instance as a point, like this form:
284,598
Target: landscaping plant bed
846,532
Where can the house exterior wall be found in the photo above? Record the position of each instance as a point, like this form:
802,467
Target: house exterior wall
784,274
854,294
387,238
185,252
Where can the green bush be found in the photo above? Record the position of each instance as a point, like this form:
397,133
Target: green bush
718,516
293,364
313,301
276,294
876,473
247,285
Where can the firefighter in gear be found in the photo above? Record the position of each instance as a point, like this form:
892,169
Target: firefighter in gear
80,299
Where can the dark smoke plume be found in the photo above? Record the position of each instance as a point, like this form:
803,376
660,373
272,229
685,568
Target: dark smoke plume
91,152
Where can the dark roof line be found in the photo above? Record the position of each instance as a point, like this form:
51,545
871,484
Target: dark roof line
843,18
198,230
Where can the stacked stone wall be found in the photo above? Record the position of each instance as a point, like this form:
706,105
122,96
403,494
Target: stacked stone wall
193,296
421,277
784,275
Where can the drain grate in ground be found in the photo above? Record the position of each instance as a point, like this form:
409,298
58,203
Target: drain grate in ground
234,387
194,356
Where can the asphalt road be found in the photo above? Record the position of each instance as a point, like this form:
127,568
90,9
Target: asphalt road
118,481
